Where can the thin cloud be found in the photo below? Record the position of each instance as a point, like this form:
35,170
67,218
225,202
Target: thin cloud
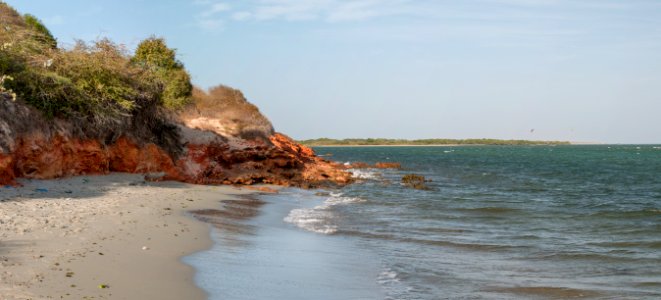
241,16
511,23
208,20
306,10
216,8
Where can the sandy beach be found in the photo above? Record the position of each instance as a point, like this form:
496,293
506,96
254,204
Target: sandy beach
103,237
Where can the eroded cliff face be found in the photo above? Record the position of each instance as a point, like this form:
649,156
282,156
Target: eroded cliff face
206,158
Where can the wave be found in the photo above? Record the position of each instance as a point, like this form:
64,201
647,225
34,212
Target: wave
622,214
394,287
547,292
312,220
387,276
630,244
429,242
602,257
490,209
332,201
362,174
319,219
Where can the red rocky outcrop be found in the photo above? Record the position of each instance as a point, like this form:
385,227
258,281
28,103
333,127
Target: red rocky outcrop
32,146
7,175
281,162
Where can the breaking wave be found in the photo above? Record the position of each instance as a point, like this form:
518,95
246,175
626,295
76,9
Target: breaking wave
320,218
362,174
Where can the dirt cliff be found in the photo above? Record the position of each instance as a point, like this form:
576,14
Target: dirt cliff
32,146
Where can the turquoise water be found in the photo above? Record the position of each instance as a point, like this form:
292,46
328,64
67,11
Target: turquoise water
499,222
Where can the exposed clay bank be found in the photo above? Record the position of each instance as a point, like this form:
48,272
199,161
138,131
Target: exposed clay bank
33,147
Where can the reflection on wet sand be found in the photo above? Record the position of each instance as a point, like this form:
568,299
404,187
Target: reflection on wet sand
230,219
257,255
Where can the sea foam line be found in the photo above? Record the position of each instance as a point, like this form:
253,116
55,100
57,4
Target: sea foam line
319,219
362,174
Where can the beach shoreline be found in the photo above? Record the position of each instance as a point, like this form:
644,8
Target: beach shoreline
443,145
111,236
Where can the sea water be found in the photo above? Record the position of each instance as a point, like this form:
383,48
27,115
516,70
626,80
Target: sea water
497,222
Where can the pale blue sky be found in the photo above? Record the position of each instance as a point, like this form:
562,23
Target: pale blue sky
580,70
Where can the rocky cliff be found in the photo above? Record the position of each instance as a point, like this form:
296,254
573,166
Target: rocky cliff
32,146
96,108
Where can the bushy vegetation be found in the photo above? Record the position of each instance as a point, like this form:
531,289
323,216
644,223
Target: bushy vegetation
99,89
423,142
94,81
35,24
97,85
154,54
103,91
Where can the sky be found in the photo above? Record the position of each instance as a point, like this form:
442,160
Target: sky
577,70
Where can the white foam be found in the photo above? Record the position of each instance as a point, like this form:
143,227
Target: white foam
332,201
362,174
311,219
386,277
395,289
319,219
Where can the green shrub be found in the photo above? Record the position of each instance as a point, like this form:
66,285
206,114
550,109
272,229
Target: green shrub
96,87
45,35
91,81
177,90
20,44
154,54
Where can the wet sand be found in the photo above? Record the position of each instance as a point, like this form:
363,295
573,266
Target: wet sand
257,255
103,237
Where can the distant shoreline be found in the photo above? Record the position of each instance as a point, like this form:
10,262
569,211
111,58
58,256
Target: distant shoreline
462,145
403,145
478,145
382,142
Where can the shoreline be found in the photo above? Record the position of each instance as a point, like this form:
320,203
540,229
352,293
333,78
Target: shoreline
110,236
441,145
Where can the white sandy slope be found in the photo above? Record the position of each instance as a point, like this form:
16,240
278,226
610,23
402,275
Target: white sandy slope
63,239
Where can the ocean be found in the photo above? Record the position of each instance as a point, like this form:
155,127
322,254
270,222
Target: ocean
497,222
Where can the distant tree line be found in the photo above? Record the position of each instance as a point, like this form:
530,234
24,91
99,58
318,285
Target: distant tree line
422,142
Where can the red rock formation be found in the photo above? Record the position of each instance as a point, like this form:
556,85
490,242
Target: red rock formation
44,158
288,144
7,175
32,146
283,163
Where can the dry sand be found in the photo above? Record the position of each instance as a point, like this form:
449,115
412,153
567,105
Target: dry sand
103,237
